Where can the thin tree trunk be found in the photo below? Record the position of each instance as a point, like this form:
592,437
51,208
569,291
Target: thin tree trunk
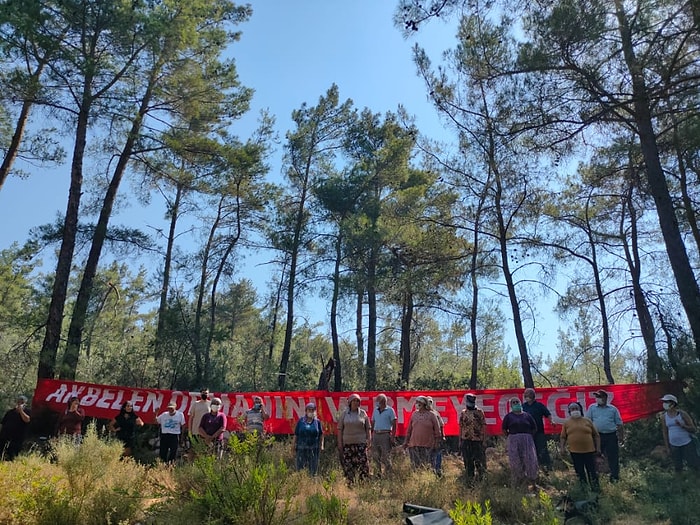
405,344
21,124
337,376
654,368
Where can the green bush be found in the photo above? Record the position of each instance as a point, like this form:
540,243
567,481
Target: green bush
326,508
244,487
469,513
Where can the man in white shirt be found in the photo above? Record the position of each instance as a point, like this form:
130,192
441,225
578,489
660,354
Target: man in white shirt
171,424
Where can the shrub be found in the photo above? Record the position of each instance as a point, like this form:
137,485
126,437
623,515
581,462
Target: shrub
244,487
469,513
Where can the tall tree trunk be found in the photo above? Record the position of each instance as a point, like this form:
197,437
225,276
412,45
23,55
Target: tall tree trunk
77,324
510,286
49,348
675,248
474,313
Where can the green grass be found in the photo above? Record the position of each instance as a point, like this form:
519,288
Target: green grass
255,484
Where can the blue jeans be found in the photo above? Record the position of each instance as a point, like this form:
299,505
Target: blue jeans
308,457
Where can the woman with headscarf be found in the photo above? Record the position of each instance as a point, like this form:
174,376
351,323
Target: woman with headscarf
124,427
423,435
354,439
308,440
519,428
583,441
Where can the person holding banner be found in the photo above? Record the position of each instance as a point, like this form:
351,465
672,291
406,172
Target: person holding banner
607,420
519,428
354,439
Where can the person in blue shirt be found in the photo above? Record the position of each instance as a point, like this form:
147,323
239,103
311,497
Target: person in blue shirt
383,435
608,422
308,440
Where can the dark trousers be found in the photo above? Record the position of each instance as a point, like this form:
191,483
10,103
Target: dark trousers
168,447
610,448
584,465
543,457
687,453
474,457
308,457
10,448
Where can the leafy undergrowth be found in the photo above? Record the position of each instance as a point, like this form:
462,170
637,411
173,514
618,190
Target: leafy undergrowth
255,484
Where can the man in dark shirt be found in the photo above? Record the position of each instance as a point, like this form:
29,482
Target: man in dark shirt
538,412
14,425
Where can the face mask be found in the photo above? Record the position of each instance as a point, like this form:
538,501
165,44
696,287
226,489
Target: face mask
517,408
204,396
575,413
471,404
215,408
666,405
310,414
600,401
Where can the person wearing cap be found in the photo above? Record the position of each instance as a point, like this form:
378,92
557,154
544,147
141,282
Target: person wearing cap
14,426
539,412
606,418
308,440
383,435
197,410
124,427
519,428
423,434
212,426
582,439
171,422
354,439
472,435
437,452
255,417
678,429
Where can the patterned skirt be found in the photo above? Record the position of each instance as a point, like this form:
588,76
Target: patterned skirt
522,457
355,462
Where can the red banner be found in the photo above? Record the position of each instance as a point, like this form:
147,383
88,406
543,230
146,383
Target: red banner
634,401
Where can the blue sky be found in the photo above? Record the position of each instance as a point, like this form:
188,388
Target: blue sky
289,53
